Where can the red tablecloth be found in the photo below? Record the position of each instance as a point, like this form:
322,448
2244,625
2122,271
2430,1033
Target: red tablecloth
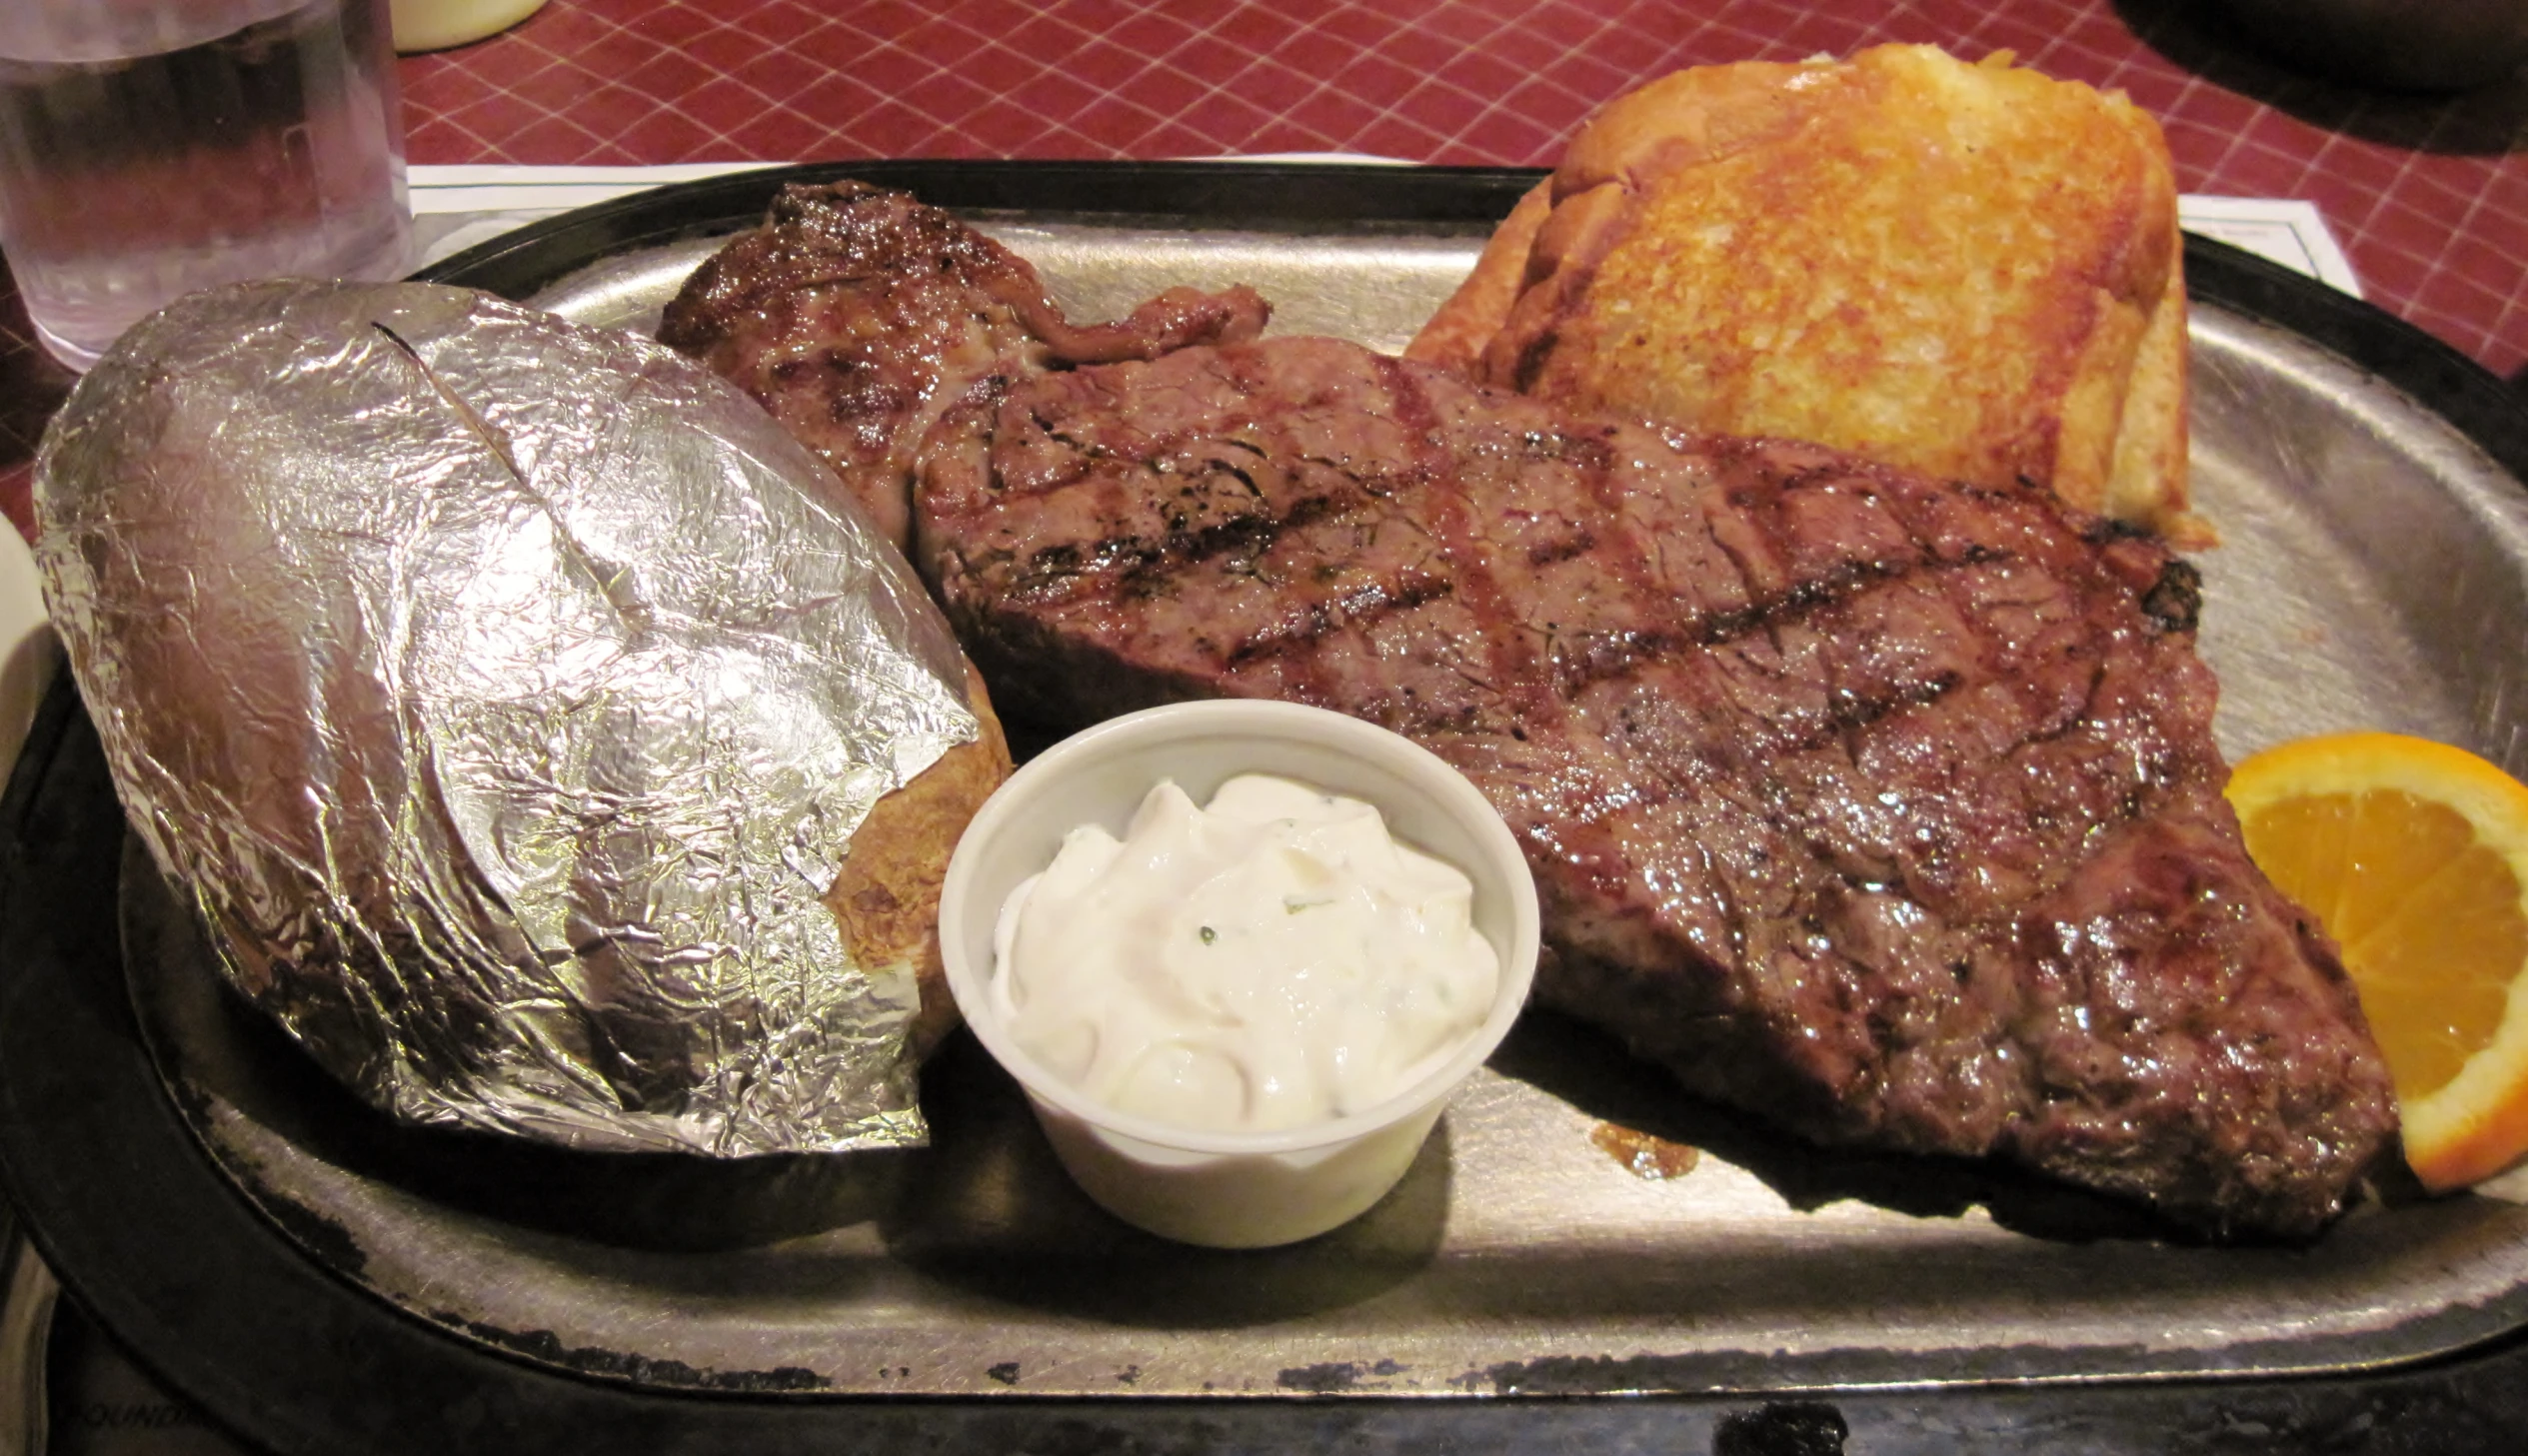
2429,195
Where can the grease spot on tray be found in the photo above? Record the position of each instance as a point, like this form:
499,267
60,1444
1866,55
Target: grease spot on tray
1652,1159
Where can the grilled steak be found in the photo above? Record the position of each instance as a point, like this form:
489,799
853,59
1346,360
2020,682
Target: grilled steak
858,315
1884,807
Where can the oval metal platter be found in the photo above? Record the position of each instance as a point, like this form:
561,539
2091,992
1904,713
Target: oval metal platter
1578,1227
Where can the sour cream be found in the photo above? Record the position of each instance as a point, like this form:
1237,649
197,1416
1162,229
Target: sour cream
1272,959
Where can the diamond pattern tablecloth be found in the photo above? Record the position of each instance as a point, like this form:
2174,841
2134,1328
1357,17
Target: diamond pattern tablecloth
2429,195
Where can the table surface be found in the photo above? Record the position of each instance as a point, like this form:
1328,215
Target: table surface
2428,193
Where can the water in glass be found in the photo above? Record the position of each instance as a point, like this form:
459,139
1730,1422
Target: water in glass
152,147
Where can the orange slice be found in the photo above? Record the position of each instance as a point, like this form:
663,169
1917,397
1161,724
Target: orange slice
2414,855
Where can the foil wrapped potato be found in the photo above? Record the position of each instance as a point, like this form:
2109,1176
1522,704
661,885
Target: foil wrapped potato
511,699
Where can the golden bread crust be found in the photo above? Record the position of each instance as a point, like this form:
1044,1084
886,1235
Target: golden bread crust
886,897
1454,338
2148,482
1971,271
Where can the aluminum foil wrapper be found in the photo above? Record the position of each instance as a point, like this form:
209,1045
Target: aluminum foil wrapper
504,694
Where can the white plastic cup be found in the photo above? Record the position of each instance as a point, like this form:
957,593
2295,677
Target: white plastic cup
149,148
1232,1189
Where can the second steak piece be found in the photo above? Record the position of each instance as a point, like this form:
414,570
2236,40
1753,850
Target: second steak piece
1884,807
859,316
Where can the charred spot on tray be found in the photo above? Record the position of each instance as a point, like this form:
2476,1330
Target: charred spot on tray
1565,1375
1334,1377
547,1348
334,1245
1007,1372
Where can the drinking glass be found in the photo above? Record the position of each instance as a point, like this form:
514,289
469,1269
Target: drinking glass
149,148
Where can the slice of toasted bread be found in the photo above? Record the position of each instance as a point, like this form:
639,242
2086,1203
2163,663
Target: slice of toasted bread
1972,271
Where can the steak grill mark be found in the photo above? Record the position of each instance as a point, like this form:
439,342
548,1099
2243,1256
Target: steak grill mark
1123,567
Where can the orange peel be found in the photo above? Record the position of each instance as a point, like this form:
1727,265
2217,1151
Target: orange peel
2415,856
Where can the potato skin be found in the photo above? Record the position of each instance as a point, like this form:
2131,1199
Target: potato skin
887,895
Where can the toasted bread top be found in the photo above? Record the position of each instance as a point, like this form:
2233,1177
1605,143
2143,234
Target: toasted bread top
1967,270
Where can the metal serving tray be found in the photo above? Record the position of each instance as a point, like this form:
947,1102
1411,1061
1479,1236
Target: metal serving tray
2374,573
